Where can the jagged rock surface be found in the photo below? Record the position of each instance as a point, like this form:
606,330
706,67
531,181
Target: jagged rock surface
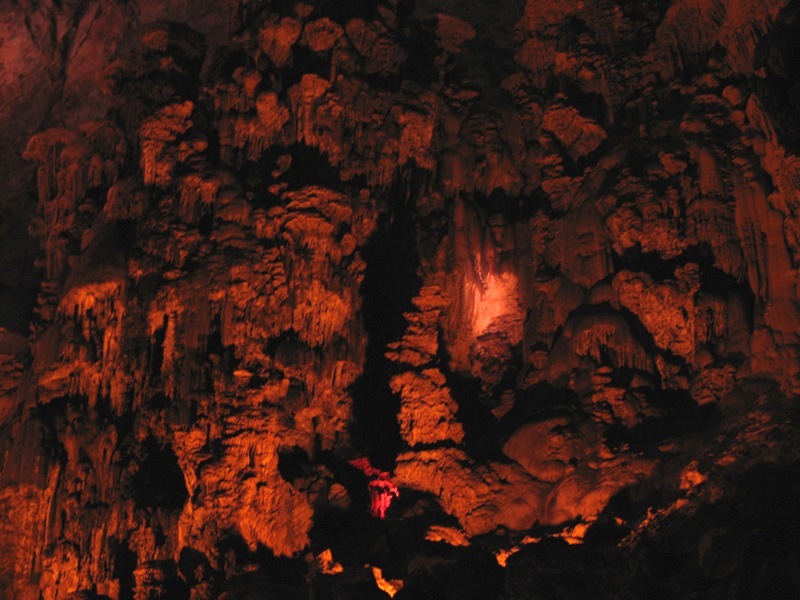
548,276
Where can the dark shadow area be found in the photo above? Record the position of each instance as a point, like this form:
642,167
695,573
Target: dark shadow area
481,434
157,349
19,279
350,530
311,167
159,481
124,561
194,566
390,282
293,463
453,573
745,547
779,90
584,317
536,403
635,259
342,12
514,209
680,415
275,577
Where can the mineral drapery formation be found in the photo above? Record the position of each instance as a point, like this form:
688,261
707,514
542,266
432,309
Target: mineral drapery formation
519,278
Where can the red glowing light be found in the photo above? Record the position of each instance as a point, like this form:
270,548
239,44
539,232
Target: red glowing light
382,489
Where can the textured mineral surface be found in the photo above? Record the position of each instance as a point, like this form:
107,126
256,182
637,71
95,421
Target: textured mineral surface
427,299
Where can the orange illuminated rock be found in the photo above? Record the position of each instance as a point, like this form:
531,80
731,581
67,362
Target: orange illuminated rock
159,156
586,493
481,497
320,35
542,256
420,343
605,338
579,135
390,586
667,309
585,474
546,449
276,39
373,42
427,410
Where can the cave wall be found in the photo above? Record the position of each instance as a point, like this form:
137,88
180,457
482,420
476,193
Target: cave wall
519,262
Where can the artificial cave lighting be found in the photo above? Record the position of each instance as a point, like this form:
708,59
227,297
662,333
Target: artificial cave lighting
381,488
496,298
264,264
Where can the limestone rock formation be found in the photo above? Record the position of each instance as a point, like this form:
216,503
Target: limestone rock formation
535,261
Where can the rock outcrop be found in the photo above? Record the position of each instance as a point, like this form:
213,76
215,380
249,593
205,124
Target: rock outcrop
538,263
